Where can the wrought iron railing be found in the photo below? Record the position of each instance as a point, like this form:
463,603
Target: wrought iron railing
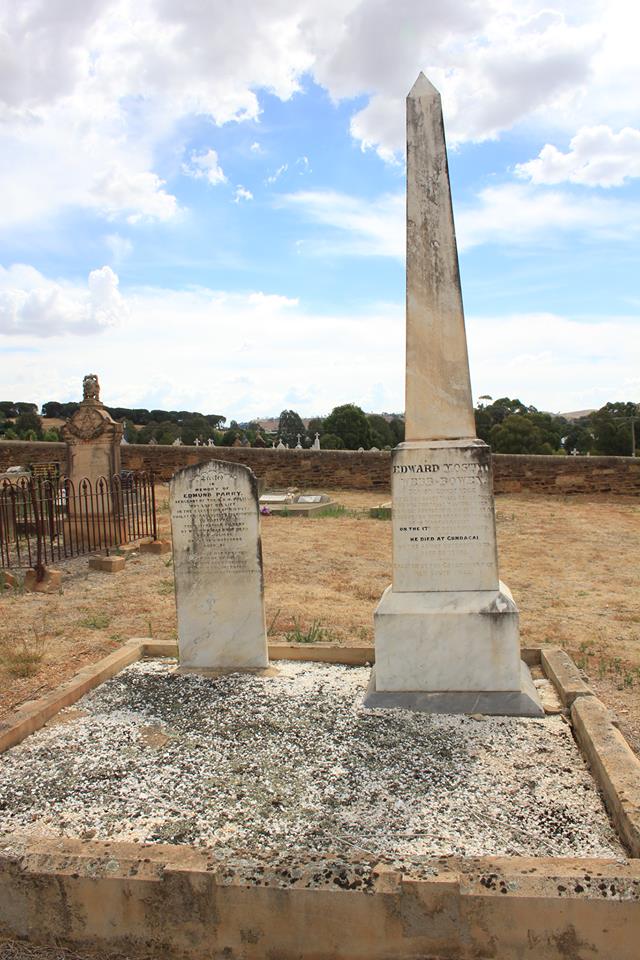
48,519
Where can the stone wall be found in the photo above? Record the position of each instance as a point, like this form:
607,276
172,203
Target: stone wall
335,469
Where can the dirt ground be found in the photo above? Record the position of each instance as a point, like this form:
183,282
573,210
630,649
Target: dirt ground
571,562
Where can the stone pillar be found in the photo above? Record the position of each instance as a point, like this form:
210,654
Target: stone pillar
446,630
92,437
93,440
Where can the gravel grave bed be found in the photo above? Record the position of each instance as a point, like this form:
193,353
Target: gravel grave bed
282,775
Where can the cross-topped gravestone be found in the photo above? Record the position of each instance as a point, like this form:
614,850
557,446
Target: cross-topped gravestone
446,630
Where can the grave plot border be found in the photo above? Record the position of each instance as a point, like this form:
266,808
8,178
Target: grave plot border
170,900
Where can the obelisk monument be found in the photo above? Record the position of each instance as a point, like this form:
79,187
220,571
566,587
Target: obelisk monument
446,630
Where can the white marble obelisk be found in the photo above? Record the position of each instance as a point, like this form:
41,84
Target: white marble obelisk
446,630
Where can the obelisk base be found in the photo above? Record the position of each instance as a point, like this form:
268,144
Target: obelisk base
454,652
504,703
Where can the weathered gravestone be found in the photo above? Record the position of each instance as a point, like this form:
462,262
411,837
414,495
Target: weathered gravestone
446,630
217,559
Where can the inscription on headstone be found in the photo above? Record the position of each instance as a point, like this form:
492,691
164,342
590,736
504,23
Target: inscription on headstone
443,523
217,559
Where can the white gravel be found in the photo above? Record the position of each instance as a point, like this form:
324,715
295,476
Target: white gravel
291,768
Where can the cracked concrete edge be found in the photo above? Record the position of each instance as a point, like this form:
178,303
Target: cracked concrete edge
564,674
614,766
177,902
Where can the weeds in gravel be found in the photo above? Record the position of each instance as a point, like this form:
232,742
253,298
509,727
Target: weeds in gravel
95,621
316,633
165,587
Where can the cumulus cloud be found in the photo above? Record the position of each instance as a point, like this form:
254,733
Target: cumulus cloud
137,196
242,194
597,157
205,166
96,84
34,306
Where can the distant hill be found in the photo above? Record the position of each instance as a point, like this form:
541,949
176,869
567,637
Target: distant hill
576,414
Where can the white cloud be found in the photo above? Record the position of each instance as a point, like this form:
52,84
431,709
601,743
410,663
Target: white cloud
554,362
253,375
242,194
363,227
255,147
509,214
515,213
278,173
91,92
205,166
137,196
32,305
597,157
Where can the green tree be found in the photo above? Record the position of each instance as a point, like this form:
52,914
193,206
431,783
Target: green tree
487,416
611,427
51,435
329,441
382,434
316,425
290,426
397,429
349,423
29,422
578,436
60,411
130,433
517,434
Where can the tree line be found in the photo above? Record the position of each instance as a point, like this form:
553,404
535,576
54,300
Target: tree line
508,425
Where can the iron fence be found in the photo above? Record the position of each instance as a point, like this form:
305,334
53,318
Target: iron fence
48,519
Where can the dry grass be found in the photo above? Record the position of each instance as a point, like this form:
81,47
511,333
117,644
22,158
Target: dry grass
571,562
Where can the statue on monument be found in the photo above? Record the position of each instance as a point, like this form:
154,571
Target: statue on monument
91,387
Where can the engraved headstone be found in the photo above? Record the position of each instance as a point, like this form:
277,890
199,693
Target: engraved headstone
217,560
446,630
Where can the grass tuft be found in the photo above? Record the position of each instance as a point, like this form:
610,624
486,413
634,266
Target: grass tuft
315,633
23,656
96,621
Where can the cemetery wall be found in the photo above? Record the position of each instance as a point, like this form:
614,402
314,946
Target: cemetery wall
335,469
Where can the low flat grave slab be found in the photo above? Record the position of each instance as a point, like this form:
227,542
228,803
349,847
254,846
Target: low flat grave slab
257,769
293,502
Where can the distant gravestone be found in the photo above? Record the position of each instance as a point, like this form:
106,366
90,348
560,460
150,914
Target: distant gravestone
217,560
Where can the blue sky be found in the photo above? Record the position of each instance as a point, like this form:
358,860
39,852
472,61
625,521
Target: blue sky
204,203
